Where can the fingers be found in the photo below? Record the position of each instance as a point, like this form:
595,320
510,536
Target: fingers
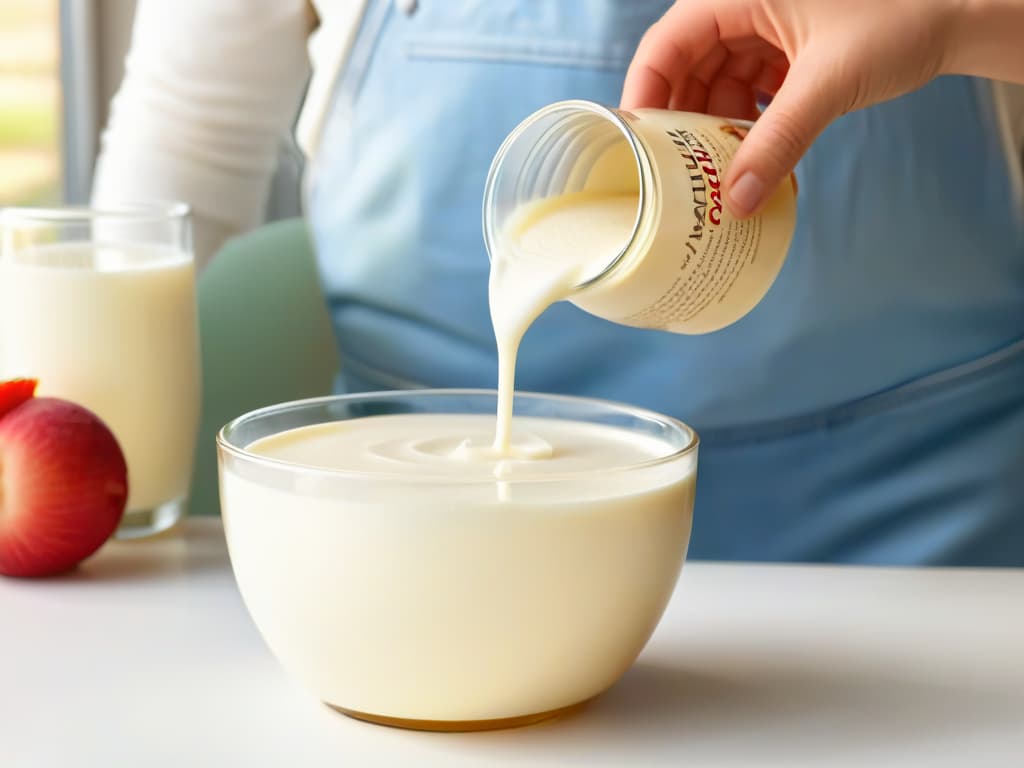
770,78
809,99
691,94
665,56
716,56
731,97
688,33
732,92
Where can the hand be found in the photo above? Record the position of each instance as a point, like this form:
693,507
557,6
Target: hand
818,59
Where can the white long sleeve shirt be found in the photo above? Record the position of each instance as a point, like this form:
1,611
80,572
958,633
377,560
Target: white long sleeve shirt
211,87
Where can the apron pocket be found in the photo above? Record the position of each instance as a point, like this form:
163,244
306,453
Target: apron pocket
559,52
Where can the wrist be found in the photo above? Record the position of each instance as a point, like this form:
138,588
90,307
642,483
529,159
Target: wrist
983,38
961,21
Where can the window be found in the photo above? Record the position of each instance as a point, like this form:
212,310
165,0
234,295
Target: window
30,103
61,61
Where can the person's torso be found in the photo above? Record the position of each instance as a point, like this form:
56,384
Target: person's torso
906,275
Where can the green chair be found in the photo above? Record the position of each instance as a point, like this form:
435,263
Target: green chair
266,337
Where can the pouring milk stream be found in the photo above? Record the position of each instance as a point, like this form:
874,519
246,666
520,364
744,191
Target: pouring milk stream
620,213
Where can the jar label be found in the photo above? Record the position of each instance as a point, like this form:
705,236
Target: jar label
697,268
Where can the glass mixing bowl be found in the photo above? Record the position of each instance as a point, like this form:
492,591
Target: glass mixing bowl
433,600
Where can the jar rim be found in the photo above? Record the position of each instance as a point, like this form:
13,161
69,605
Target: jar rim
640,157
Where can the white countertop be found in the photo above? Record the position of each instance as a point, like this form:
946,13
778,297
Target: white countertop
146,657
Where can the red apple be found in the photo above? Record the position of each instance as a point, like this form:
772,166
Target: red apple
63,485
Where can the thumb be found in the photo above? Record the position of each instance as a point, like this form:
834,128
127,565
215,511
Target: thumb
805,104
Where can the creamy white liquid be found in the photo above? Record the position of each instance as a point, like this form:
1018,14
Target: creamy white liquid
114,329
548,249
457,445
396,577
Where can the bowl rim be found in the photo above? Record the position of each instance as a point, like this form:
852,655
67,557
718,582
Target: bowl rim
226,446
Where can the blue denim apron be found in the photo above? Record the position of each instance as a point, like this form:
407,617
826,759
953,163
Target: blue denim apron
870,409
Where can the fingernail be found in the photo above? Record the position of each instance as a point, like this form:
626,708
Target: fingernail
746,194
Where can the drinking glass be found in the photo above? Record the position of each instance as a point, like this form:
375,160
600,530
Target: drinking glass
99,305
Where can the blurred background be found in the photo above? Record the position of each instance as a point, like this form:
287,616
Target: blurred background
30,103
61,62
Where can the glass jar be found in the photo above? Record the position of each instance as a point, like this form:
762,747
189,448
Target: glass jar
688,266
